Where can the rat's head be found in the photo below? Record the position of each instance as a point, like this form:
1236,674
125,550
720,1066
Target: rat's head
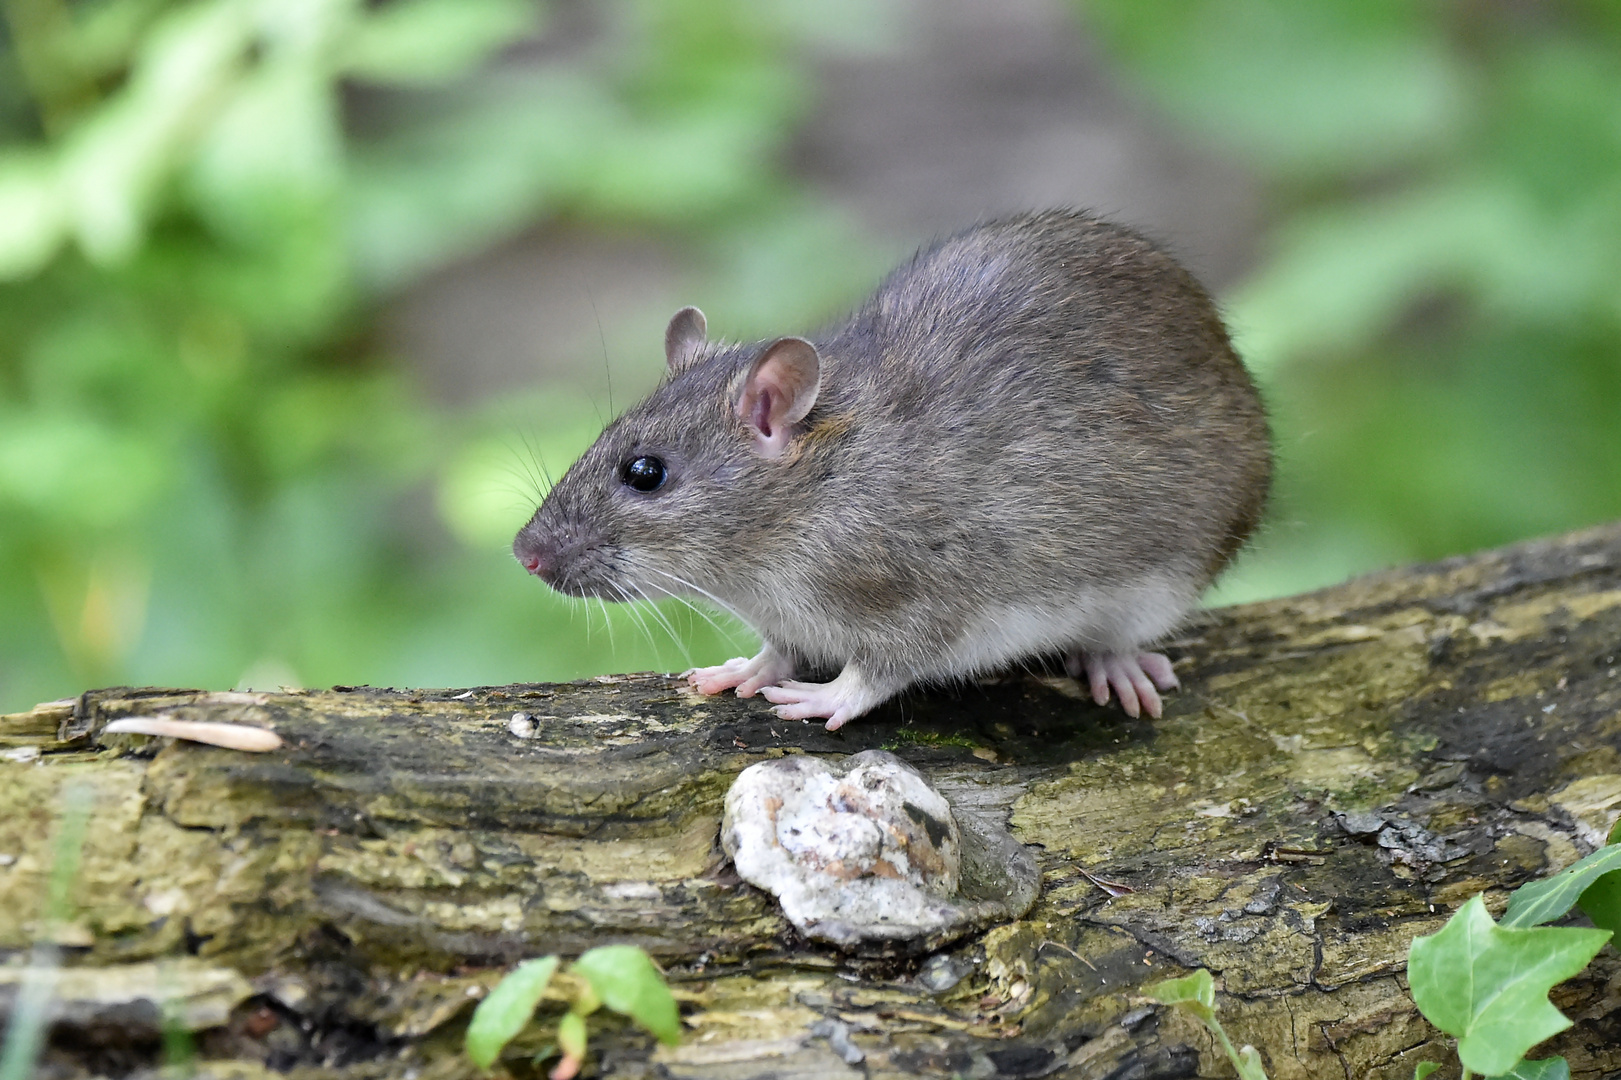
675,495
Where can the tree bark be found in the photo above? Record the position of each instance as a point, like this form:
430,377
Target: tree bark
1339,772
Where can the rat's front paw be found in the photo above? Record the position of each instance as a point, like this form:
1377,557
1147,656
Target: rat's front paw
712,680
845,698
747,674
1135,680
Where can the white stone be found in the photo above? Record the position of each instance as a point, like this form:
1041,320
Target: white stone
859,850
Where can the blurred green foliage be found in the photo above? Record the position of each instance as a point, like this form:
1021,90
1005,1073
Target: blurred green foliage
209,471
212,473
1437,314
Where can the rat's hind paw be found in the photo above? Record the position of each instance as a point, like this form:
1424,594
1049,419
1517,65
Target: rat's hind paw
845,698
1134,679
747,674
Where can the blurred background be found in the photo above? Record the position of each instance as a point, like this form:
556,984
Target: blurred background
299,299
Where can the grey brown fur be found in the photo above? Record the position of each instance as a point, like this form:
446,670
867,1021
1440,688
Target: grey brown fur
1035,427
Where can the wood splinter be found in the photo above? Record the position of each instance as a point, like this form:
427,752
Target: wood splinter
230,736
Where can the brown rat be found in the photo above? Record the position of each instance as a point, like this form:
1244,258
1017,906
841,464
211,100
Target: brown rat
1034,439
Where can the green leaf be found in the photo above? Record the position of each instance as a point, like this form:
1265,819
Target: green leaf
32,218
503,1014
431,41
1601,902
71,468
1323,87
1196,993
273,157
629,983
1424,1068
1488,986
491,160
1543,901
114,163
1554,1068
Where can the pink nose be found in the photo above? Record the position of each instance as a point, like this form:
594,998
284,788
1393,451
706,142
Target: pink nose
531,563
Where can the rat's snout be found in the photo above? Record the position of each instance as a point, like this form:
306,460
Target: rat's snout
538,554
566,557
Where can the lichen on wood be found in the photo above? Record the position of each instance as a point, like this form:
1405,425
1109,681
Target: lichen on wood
1340,770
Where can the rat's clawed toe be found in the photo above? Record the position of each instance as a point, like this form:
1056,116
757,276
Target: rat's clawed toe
1134,680
712,680
804,701
1157,666
746,674
843,699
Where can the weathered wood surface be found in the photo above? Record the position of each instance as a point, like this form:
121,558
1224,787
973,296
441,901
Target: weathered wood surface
1340,770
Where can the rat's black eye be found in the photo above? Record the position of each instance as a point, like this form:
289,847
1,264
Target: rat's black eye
643,473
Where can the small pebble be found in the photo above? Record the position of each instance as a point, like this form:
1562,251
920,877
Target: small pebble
1361,822
837,1034
941,972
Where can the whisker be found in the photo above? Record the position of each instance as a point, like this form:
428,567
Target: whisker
576,605
578,609
534,465
705,593
523,484
629,608
607,621
607,367
729,634
663,620
637,604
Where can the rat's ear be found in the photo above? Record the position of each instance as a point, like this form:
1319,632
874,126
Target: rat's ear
684,337
780,389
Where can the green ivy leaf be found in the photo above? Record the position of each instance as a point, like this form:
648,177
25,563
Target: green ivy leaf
1554,1068
506,1010
1424,1069
1196,993
1543,901
1487,985
629,983
1601,902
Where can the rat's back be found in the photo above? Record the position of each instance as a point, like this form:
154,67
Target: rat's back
1048,405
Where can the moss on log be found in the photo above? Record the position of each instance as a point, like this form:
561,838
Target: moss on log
1340,771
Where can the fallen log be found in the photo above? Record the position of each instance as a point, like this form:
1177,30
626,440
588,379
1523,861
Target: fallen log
1340,771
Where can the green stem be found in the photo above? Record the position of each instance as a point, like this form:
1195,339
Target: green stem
1227,1046
30,1014
77,801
